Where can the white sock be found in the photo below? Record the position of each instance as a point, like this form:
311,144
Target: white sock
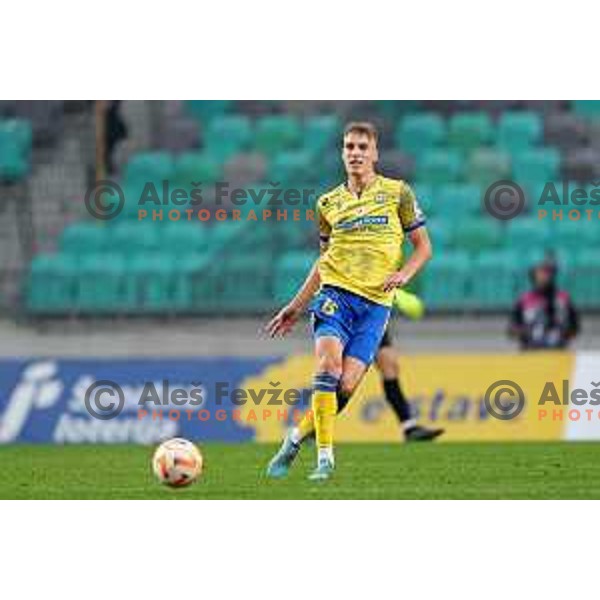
326,453
294,435
409,424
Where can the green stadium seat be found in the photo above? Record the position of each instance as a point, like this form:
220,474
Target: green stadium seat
583,279
519,131
196,167
291,166
15,149
186,237
277,133
321,133
458,199
152,278
477,234
444,281
50,285
290,272
102,284
492,280
149,166
540,164
440,235
420,132
467,131
85,237
525,233
130,237
226,136
587,108
425,194
205,110
439,167
486,166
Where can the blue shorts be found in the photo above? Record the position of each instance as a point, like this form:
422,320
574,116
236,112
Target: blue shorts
359,323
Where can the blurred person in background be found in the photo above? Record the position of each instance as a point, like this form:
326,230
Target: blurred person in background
544,317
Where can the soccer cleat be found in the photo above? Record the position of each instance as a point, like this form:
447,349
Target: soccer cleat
280,464
421,434
323,471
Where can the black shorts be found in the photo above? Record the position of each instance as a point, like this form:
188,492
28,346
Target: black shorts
386,340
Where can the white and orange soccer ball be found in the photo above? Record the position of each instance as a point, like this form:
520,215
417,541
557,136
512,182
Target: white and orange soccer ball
177,462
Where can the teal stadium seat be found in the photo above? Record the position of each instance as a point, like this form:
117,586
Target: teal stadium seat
131,237
149,166
291,166
321,133
444,281
525,233
15,149
587,108
426,197
226,136
196,167
492,279
487,165
458,200
103,285
477,235
437,167
206,110
277,133
540,164
420,132
51,284
583,279
519,131
290,271
468,131
85,237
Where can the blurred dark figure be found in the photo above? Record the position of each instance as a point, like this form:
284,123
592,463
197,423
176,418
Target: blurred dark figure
544,317
115,131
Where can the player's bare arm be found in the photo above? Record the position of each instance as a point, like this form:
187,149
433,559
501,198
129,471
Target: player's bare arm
422,252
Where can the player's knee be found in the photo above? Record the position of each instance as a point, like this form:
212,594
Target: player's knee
330,364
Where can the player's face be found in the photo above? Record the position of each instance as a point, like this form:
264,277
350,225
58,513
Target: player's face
359,154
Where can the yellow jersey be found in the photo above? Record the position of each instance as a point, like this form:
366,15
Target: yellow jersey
363,235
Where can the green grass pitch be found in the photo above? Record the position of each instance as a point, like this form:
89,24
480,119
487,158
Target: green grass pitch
369,471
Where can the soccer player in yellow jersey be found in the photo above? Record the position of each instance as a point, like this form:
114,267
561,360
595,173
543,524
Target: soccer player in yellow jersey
362,224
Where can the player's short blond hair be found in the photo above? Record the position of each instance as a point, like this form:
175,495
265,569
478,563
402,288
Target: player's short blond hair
363,127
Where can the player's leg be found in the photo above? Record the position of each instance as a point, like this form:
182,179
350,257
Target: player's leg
387,361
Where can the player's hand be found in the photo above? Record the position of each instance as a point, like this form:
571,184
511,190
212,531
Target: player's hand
398,279
284,321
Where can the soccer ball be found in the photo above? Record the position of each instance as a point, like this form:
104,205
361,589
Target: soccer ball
177,462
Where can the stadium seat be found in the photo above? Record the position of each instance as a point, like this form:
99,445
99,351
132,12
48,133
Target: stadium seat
245,169
486,166
444,281
321,133
102,284
205,110
582,164
439,166
396,164
50,286
426,197
277,133
565,130
290,271
518,131
420,132
440,235
149,166
457,199
186,237
226,136
536,164
525,233
583,279
151,276
291,166
467,131
85,237
587,108
196,167
492,280
130,237
477,234
15,149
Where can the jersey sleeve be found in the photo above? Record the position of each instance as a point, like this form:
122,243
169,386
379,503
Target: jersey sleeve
411,215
